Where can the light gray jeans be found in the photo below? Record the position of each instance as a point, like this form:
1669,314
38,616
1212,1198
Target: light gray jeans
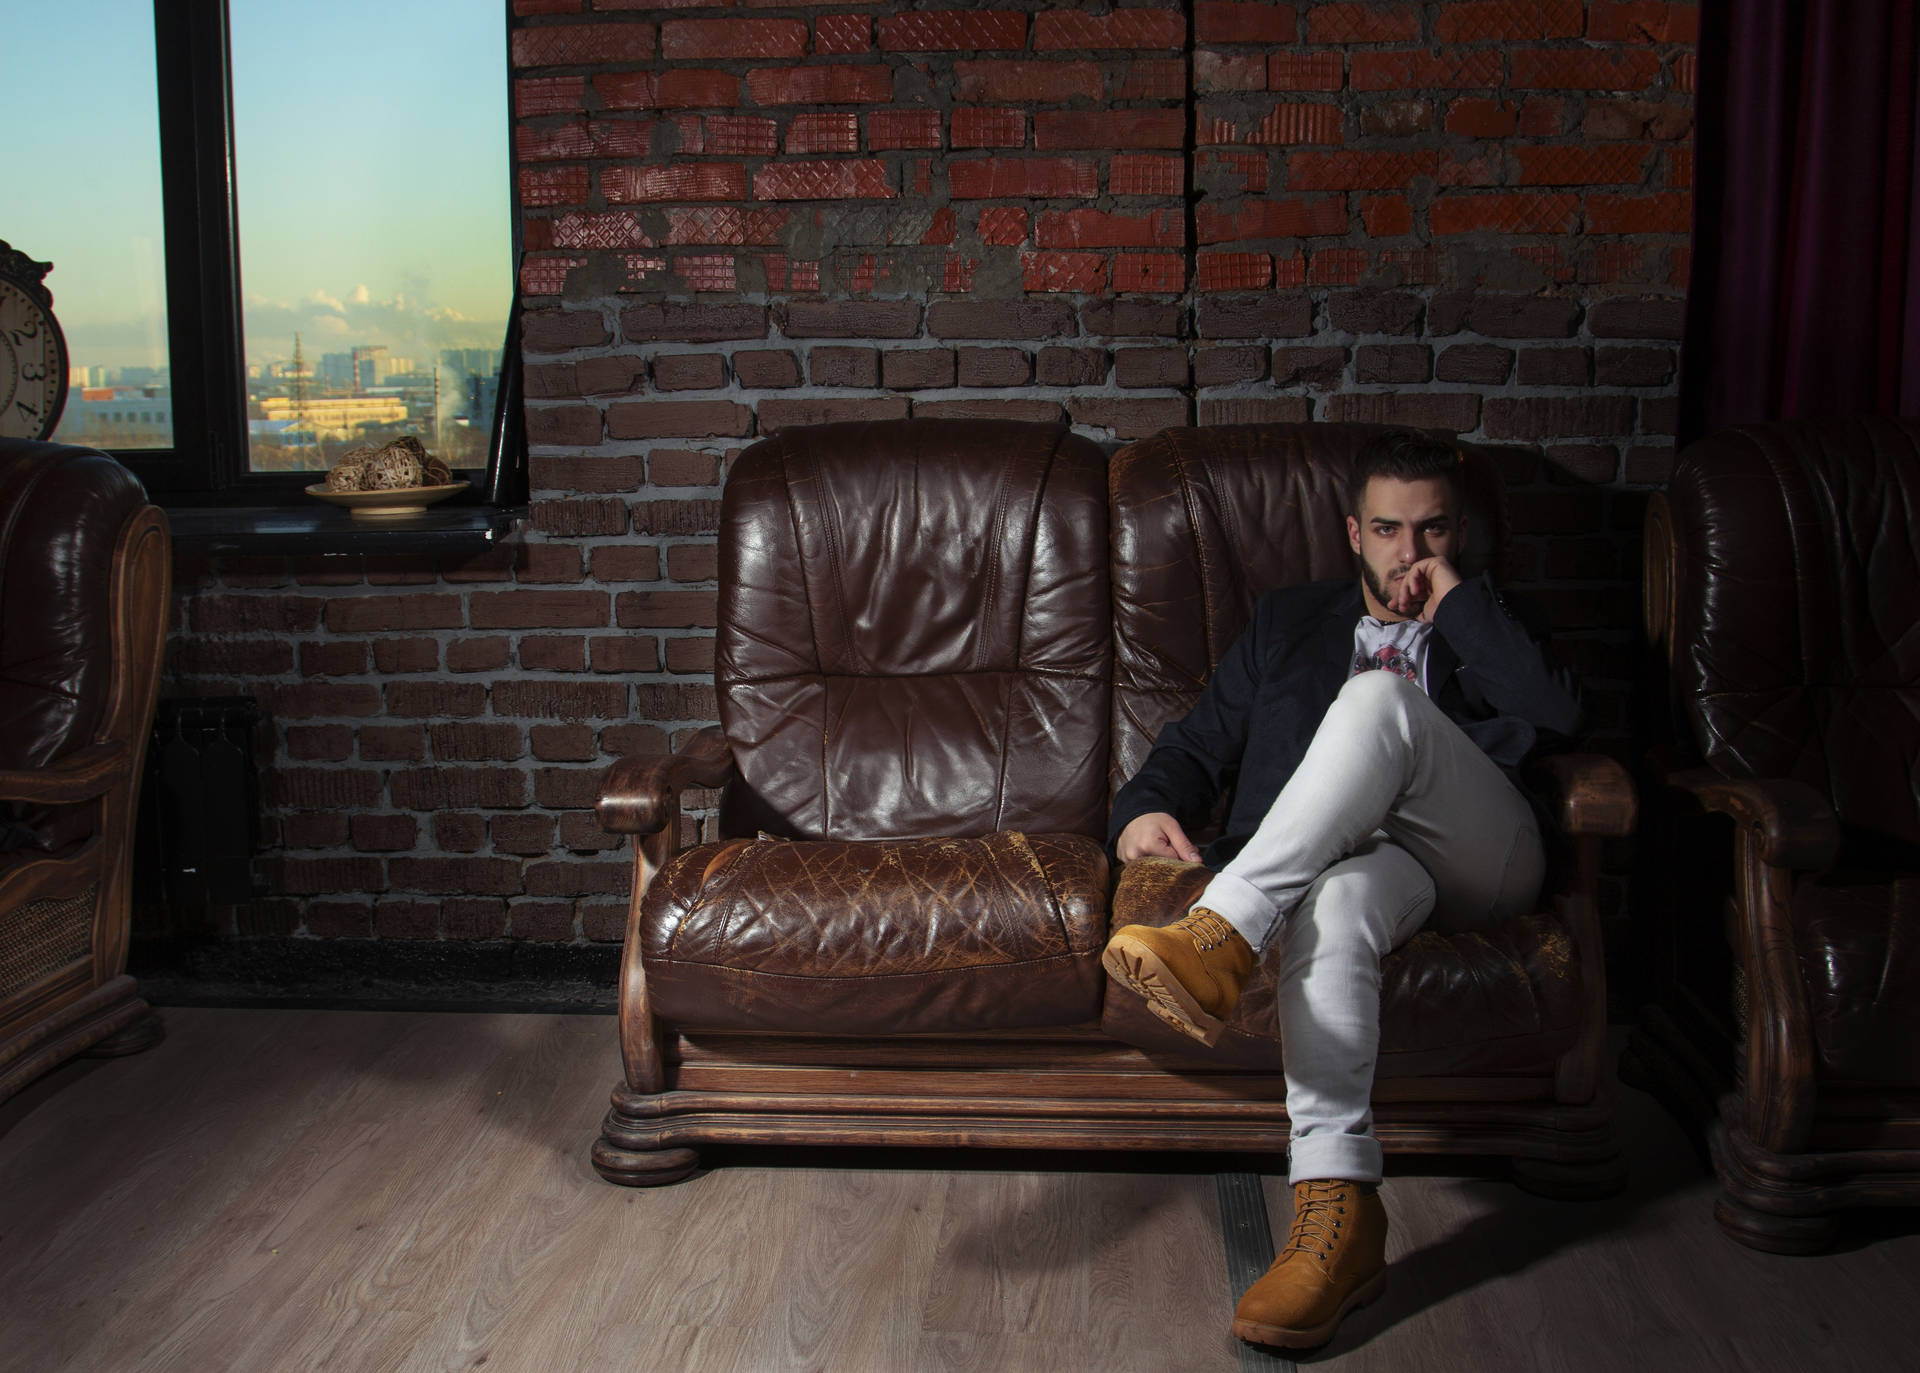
1393,815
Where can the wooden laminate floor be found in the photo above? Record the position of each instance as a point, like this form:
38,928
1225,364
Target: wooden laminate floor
391,1190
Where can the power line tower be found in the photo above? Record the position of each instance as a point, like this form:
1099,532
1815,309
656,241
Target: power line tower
299,393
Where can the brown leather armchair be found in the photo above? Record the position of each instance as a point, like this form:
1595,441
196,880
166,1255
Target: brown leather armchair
84,574
1783,593
942,645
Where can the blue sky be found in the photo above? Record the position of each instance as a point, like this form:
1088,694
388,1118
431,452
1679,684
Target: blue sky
371,152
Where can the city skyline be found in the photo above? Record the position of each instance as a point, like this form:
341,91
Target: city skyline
372,177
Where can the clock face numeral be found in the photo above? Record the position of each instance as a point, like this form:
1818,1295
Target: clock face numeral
32,364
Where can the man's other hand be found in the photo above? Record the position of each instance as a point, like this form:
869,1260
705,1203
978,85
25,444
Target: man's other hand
1421,589
1155,835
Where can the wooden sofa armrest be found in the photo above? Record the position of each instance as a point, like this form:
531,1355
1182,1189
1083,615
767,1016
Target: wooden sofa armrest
1588,794
1590,797
80,776
639,794
1793,824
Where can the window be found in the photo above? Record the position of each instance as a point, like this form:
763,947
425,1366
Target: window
91,170
370,145
333,265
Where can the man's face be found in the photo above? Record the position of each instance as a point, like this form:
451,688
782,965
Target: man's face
1401,523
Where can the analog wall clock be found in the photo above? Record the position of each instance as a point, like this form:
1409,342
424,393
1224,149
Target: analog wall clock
33,351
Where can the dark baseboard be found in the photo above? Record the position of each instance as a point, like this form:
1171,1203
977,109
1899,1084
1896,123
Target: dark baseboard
384,974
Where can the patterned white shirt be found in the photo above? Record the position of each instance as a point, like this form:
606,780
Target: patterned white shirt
1397,647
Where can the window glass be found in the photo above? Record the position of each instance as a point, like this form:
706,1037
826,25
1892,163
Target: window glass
375,258
81,166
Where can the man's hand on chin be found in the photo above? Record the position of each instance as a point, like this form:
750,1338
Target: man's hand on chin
1419,593
1155,835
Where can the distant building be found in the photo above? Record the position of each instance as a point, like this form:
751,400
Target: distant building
470,362
336,417
336,371
374,366
118,416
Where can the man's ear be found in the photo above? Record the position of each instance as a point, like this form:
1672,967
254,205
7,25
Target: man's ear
1353,533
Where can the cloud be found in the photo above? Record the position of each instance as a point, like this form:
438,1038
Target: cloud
407,327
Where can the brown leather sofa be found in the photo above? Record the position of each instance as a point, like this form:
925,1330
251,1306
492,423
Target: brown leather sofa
1783,593
83,615
942,647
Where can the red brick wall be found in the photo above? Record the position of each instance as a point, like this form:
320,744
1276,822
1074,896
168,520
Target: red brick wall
1470,215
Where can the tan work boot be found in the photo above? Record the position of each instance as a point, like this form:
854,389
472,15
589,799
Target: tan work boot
1335,1259
1190,971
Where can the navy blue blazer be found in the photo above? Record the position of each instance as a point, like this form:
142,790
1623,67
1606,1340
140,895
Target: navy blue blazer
1257,714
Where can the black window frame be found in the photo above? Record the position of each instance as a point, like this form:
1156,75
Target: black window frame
207,466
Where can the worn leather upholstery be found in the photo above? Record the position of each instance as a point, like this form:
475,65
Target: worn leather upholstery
1795,605
914,637
914,667
62,510
902,936
915,676
1795,618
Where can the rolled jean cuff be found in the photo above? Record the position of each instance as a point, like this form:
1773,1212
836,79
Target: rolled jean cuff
1243,906
1356,1158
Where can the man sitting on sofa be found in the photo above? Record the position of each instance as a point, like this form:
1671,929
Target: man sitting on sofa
1371,740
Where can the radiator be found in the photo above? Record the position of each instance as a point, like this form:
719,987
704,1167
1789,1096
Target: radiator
202,792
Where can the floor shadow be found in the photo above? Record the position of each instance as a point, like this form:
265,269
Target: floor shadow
1519,1230
48,1085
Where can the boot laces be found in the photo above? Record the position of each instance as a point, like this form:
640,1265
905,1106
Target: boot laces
1209,931
1319,1214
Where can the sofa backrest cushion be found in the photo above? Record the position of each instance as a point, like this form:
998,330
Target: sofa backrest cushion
62,511
1207,520
1796,610
914,631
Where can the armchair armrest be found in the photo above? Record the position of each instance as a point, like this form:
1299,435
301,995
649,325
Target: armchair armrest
1588,793
1783,828
639,793
80,776
1793,823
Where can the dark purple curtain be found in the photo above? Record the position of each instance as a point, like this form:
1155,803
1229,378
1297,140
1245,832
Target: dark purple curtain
1805,292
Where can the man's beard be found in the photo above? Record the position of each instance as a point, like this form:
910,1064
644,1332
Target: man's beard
1380,592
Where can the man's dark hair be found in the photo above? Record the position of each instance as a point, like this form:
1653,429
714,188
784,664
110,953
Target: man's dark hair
1405,455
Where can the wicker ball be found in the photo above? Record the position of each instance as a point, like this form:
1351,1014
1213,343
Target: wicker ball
347,476
438,473
393,470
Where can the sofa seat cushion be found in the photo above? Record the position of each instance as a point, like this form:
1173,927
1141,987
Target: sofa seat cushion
1859,944
878,937
1495,1001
